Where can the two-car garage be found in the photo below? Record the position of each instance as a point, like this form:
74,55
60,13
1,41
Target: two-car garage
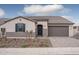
58,30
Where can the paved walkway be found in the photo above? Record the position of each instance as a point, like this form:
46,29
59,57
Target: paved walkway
64,42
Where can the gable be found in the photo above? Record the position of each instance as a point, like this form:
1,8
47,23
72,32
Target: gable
18,19
10,24
21,18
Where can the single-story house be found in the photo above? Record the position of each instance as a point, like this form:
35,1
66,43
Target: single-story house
39,25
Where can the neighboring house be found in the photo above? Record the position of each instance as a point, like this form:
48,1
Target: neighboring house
39,25
76,28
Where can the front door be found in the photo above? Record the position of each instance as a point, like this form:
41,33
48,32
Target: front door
39,30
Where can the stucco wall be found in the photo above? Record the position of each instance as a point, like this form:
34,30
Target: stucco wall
45,27
75,30
10,26
71,33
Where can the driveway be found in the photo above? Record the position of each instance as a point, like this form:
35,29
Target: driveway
64,42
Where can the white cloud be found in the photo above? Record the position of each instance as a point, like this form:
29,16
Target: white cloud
2,13
44,10
65,10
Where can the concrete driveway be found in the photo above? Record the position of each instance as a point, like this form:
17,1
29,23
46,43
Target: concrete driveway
64,42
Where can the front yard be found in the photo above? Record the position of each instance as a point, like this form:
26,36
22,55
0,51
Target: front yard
24,43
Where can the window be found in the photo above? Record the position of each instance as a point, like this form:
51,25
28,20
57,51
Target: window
74,27
3,31
20,27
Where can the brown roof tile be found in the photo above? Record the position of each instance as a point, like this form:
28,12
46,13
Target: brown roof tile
50,19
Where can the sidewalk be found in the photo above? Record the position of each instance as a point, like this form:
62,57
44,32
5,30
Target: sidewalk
39,51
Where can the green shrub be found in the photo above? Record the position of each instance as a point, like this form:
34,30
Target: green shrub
24,46
2,46
44,45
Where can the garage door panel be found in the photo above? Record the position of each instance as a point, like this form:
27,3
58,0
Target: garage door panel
58,30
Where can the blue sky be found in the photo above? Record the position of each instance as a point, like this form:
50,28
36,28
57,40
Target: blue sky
70,11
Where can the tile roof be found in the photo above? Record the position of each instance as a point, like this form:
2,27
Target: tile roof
50,19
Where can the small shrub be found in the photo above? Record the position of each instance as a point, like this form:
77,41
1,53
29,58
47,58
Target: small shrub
44,45
2,46
24,46
34,40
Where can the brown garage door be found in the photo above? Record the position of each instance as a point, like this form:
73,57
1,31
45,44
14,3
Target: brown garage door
58,30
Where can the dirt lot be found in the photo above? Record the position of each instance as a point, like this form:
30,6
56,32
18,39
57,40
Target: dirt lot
24,43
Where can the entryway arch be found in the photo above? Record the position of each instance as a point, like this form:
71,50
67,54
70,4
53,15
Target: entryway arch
39,30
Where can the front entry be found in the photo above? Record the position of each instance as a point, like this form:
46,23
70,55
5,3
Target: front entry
39,30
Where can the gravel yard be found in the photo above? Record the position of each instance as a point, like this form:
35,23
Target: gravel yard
24,43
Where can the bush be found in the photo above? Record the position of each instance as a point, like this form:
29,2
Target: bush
44,45
2,46
24,46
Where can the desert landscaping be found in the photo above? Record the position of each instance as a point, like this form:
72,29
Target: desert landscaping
24,43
